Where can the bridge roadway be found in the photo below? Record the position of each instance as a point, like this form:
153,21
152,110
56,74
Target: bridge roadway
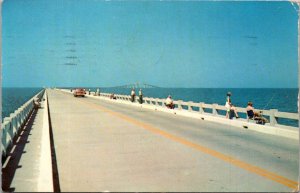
101,145
104,146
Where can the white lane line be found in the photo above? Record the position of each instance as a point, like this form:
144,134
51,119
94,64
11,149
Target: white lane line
6,162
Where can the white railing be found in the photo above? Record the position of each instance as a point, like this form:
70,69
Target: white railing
11,125
203,108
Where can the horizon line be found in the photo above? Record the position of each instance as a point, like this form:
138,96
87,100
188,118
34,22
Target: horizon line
151,88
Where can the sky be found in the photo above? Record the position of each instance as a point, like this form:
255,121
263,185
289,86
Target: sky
198,44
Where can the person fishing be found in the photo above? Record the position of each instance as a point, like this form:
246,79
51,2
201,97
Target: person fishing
233,112
169,102
255,115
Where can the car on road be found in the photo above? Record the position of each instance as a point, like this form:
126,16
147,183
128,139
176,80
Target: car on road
79,92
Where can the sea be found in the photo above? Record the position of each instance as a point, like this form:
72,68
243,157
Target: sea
283,99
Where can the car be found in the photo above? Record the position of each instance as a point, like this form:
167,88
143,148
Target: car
79,92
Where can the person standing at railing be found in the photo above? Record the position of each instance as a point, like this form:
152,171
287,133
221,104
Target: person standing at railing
227,104
140,96
169,102
98,92
132,95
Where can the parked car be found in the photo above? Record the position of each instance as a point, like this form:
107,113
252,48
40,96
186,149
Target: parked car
79,92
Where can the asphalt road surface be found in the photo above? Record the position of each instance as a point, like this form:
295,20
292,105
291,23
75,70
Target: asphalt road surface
104,146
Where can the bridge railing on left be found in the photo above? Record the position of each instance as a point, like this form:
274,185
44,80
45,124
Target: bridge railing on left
11,125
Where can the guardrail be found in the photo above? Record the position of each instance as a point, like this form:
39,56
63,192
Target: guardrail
210,109
11,125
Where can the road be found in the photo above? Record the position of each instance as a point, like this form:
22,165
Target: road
104,146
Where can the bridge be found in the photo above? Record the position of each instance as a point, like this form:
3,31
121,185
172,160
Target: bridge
137,85
95,143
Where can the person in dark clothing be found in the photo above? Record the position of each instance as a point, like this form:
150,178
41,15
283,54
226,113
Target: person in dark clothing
140,96
252,114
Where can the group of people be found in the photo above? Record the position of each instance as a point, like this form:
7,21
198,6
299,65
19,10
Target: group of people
230,113
169,101
251,113
132,94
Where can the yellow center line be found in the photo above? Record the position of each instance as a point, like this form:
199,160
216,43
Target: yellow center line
241,164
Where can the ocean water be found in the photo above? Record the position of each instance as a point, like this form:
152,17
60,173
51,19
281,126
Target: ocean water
13,98
284,100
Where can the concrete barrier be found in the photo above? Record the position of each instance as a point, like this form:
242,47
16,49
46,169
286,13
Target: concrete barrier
11,125
188,109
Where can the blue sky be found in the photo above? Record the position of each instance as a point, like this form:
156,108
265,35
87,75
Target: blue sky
169,44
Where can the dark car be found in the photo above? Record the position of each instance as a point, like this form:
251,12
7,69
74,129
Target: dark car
79,92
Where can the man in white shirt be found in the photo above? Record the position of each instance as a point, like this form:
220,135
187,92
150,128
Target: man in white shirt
169,102
132,95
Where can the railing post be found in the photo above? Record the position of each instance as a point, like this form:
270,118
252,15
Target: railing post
201,110
163,104
156,101
19,117
190,106
22,117
4,139
135,99
273,119
214,109
4,133
180,104
9,129
14,122
27,110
